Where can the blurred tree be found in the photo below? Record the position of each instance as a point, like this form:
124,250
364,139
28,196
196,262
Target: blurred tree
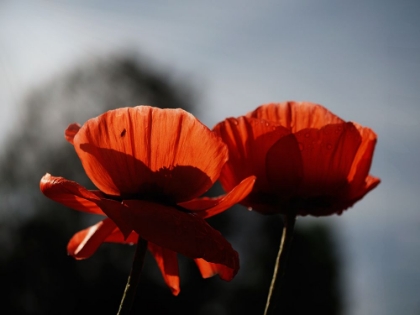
39,277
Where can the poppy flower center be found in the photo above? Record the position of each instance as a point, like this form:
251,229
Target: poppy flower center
154,195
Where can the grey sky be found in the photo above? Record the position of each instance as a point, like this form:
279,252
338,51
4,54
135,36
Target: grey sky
361,59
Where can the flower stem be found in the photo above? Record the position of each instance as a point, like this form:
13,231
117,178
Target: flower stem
133,279
281,262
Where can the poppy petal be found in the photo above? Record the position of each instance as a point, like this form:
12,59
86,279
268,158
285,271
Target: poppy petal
358,192
84,243
327,156
118,212
70,194
128,150
71,131
208,207
167,261
184,233
208,270
117,237
363,159
284,166
75,196
296,116
165,258
360,180
248,141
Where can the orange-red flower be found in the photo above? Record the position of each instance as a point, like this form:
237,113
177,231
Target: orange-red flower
150,165
306,159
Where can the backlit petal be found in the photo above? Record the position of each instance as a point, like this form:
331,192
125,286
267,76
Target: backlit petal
327,156
296,116
71,131
248,141
129,151
357,192
184,233
363,159
360,180
119,213
208,207
117,237
208,270
167,261
75,196
84,244
70,194
319,166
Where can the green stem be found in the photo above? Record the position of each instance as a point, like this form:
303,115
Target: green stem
133,279
281,262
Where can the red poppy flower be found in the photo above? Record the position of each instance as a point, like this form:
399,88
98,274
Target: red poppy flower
150,165
306,159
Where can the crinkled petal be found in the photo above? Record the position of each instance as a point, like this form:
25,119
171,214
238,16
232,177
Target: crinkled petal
71,131
248,140
70,194
208,270
208,207
75,196
84,244
167,261
296,116
184,233
128,151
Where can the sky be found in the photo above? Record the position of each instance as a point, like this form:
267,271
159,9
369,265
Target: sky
360,59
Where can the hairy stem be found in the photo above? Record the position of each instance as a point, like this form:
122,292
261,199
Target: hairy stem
133,279
281,262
